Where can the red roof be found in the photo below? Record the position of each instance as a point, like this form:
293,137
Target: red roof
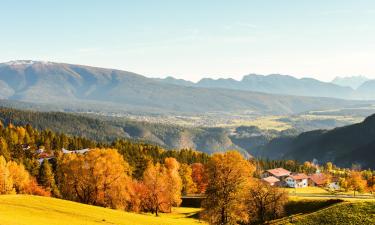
299,176
271,179
318,178
279,172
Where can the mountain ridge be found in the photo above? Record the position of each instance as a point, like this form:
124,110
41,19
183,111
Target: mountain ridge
68,84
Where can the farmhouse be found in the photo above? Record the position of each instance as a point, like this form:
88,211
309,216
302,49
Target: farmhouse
297,180
318,180
273,181
279,173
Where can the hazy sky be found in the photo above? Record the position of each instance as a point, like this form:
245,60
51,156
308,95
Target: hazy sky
196,38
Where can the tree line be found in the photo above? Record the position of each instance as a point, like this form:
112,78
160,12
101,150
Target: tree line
140,177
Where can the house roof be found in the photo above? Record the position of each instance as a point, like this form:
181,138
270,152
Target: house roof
81,151
271,179
279,172
318,178
299,176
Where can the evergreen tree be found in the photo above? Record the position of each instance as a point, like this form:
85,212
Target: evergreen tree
47,178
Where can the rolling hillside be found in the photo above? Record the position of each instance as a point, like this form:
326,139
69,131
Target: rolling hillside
343,146
343,213
35,210
76,87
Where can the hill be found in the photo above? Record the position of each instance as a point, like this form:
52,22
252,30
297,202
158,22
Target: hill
343,146
342,213
30,210
83,87
165,132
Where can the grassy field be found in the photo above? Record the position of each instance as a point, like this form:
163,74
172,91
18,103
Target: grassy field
360,212
307,190
35,210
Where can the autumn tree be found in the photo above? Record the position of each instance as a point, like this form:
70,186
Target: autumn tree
229,179
199,177
22,182
174,183
4,150
329,167
265,202
6,182
188,185
20,177
155,180
356,182
99,177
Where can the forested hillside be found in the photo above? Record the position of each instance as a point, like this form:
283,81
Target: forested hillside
107,129
344,146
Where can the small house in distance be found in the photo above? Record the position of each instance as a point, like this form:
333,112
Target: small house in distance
318,180
279,173
81,151
298,180
273,181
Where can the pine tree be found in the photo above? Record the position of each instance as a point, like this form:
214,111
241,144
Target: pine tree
47,178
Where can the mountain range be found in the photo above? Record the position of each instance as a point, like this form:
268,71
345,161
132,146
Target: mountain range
343,145
356,87
77,86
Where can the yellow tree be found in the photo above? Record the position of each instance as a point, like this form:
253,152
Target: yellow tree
20,177
6,183
188,185
155,180
356,182
174,182
229,177
99,177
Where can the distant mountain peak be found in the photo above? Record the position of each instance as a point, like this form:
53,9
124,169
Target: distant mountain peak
25,62
351,81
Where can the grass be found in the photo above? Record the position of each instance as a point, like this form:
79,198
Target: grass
342,213
35,210
307,190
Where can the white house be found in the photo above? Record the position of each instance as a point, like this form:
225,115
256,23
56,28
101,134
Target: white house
82,151
334,184
297,180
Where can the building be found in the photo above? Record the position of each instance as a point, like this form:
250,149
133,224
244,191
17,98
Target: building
318,180
334,184
81,151
279,173
44,156
298,180
273,181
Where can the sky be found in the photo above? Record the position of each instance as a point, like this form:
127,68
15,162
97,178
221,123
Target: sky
196,38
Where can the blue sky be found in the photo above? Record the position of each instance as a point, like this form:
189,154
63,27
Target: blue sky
196,38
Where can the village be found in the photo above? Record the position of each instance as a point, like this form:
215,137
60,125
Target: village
283,178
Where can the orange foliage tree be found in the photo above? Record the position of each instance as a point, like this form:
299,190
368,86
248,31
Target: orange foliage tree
199,177
99,177
230,177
